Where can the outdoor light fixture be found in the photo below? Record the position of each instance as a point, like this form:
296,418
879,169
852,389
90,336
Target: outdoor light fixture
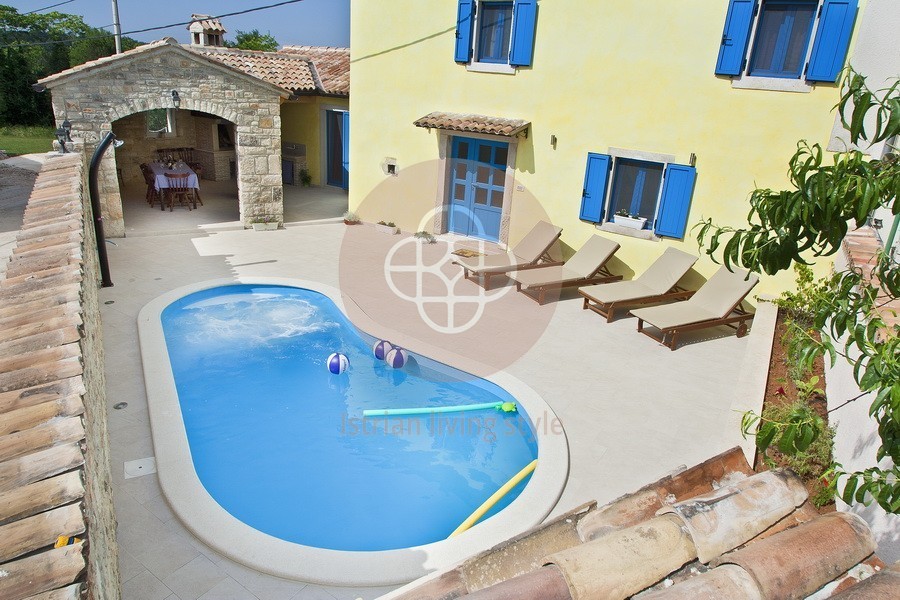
553,140
176,99
68,127
61,136
877,223
693,160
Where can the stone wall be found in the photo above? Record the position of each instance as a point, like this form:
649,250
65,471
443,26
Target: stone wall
140,147
95,98
53,400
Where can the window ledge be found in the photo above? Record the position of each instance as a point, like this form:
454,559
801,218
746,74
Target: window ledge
481,67
776,84
643,234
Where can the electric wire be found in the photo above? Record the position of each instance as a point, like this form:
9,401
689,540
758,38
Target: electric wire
157,28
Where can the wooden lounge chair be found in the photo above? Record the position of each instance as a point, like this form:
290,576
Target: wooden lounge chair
528,253
717,302
586,266
656,284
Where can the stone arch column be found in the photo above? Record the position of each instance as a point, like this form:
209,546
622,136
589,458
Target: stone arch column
92,98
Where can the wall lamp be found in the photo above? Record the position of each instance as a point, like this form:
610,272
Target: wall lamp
176,99
63,135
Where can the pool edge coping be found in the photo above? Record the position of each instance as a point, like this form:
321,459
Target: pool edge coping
203,516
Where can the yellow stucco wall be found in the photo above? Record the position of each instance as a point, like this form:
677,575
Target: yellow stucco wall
638,74
303,121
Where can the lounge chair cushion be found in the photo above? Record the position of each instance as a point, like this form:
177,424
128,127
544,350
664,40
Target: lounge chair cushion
714,300
527,252
666,270
658,279
582,265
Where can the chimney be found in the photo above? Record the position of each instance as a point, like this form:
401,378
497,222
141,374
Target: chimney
206,31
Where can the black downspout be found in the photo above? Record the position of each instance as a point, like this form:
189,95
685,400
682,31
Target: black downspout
95,208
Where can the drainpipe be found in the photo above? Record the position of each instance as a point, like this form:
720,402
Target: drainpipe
95,207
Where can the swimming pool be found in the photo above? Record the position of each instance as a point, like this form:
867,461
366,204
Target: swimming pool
266,456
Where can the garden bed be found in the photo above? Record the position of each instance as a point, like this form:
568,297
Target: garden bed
782,392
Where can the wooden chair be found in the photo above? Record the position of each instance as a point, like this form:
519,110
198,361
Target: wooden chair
152,194
179,189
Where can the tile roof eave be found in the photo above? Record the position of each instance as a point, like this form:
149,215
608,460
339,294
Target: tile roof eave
89,68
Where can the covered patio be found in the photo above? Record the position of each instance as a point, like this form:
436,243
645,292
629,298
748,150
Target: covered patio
221,211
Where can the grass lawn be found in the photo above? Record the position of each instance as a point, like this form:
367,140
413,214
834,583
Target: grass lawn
17,139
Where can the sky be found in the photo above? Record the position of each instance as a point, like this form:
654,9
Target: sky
311,22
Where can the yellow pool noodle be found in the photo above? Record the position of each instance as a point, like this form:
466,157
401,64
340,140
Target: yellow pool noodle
495,497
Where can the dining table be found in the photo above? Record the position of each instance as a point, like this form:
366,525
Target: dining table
160,170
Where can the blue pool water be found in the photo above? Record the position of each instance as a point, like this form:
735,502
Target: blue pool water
281,443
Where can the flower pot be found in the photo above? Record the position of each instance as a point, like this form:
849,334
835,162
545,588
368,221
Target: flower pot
265,226
386,229
632,222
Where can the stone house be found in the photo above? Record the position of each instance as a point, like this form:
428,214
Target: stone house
263,119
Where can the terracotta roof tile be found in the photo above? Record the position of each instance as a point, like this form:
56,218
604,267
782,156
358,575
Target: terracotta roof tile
42,491
473,123
206,23
861,247
331,64
292,73
647,543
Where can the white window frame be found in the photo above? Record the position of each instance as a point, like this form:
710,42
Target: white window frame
618,153
745,81
487,67
170,126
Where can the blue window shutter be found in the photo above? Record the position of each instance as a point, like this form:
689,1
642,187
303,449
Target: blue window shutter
736,36
524,24
832,40
593,196
678,188
465,23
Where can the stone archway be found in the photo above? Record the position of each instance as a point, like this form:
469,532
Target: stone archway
94,95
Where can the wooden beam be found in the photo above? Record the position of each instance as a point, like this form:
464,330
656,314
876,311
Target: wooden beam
40,496
40,531
39,465
42,572
50,433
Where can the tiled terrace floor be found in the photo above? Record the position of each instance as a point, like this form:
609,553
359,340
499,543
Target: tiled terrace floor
220,208
632,409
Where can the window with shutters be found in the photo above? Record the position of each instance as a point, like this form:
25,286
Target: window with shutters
649,190
495,36
785,44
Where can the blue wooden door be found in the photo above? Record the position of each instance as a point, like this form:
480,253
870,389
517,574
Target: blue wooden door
477,182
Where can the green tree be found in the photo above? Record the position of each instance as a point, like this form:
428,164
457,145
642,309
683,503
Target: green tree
809,221
254,40
47,43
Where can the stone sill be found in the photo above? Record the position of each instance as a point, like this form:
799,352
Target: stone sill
643,234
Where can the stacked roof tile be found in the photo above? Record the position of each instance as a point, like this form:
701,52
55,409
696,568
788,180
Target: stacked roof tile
296,69
862,248
42,479
715,530
331,64
291,73
473,123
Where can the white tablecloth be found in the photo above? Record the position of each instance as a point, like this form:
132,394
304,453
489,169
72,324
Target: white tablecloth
160,170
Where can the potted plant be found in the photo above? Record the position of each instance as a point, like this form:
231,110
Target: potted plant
387,227
633,221
424,236
264,223
351,218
